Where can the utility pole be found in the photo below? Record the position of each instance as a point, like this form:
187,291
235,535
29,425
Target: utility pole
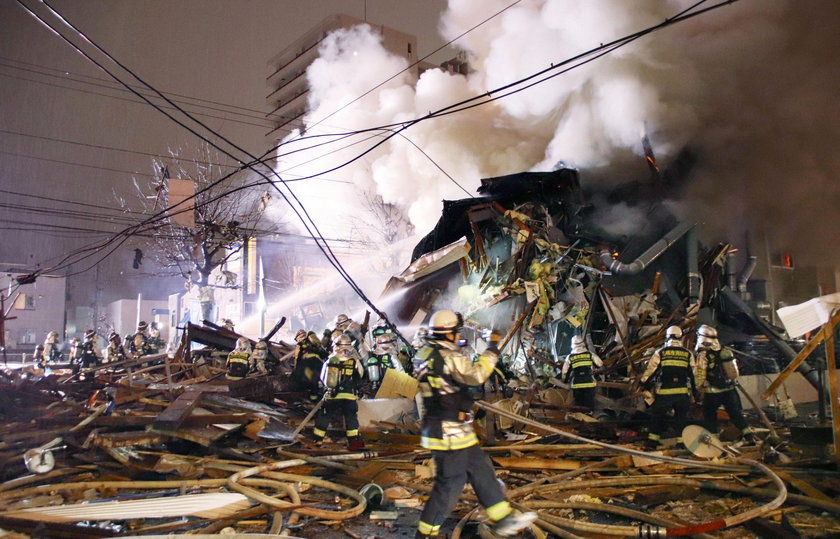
4,315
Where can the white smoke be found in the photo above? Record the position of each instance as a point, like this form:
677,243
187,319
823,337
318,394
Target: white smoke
749,87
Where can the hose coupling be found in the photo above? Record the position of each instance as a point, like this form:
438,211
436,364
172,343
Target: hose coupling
646,531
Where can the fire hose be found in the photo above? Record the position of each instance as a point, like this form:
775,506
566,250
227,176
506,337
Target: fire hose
659,531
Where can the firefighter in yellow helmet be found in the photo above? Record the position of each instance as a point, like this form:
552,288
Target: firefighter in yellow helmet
445,376
342,376
239,360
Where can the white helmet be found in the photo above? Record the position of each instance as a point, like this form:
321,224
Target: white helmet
707,331
420,337
707,337
578,344
443,322
341,321
674,332
261,345
243,345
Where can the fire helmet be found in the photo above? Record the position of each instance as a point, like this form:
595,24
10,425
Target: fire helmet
443,322
243,345
707,331
261,345
343,341
90,334
341,321
674,332
142,326
300,335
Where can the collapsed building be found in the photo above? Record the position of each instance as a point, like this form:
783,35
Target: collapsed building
531,259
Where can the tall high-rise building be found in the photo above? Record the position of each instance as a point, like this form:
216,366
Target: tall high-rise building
287,81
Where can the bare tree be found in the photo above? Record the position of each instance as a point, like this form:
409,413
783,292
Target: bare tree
382,224
221,223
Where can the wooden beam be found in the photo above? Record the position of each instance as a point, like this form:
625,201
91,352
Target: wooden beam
531,463
833,389
804,486
827,329
171,419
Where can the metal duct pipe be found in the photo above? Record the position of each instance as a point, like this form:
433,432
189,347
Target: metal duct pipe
746,273
729,271
810,373
693,271
645,259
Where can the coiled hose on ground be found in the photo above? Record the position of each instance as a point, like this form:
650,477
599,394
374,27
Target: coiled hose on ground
647,530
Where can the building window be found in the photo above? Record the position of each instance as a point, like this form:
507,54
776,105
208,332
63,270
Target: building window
26,336
783,260
25,302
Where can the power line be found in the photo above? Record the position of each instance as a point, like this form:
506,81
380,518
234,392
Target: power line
258,116
100,147
115,86
41,197
128,100
107,169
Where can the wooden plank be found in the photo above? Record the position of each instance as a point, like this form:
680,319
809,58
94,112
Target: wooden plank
214,505
205,436
827,329
171,419
531,463
804,486
127,439
833,389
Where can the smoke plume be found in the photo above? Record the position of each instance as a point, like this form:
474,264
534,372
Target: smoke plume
748,89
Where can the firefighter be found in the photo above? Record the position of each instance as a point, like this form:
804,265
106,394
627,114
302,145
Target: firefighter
38,356
90,355
717,374
258,357
139,344
309,358
115,350
75,353
670,377
341,375
578,368
52,354
227,323
401,355
446,374
155,342
238,360
386,355
345,324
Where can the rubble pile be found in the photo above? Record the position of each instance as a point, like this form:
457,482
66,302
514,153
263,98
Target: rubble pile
191,458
